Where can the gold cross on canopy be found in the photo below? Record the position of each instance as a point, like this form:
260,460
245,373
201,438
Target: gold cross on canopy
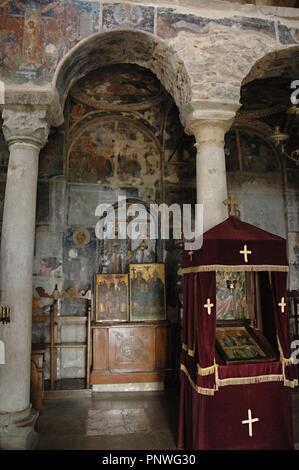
249,421
190,253
245,252
282,304
231,204
209,306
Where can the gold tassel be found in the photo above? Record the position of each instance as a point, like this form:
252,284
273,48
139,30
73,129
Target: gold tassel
206,370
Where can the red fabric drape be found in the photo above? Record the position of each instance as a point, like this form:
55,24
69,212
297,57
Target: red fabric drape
279,287
189,307
214,402
222,245
215,422
205,285
198,325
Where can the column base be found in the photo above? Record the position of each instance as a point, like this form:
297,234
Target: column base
17,430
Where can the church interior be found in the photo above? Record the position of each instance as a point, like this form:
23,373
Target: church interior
101,101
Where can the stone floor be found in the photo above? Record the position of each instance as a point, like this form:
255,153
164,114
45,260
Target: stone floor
144,421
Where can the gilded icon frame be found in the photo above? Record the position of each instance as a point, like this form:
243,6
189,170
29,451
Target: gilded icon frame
111,297
237,343
147,292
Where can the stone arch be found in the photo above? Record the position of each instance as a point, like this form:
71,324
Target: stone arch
284,61
212,78
124,46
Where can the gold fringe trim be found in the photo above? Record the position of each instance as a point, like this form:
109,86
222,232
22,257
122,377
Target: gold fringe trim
238,381
201,390
235,268
250,380
206,370
290,383
190,352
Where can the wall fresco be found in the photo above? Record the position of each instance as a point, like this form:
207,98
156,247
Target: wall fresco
170,23
247,152
79,262
34,35
117,154
119,15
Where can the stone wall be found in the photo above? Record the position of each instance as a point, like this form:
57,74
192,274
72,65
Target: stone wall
189,40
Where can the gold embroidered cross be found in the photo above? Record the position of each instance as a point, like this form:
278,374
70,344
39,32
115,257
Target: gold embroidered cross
282,304
245,252
249,421
190,253
209,306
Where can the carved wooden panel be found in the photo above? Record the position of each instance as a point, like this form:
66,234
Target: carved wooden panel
125,353
132,348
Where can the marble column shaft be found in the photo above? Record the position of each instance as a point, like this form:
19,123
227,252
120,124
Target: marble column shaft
209,129
25,132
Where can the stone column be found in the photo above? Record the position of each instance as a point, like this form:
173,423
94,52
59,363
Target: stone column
209,127
26,131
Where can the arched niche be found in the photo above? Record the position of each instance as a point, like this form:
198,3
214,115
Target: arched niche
124,46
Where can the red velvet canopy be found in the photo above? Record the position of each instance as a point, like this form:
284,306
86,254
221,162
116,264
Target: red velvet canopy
222,245
232,246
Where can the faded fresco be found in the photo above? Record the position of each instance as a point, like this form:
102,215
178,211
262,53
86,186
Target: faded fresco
247,152
118,154
118,87
34,35
255,178
79,262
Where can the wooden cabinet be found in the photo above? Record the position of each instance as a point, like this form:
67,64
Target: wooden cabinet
130,352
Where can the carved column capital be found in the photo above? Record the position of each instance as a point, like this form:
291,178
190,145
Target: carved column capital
25,126
209,121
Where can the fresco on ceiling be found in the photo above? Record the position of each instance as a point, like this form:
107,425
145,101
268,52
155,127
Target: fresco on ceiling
119,86
34,35
247,152
117,154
